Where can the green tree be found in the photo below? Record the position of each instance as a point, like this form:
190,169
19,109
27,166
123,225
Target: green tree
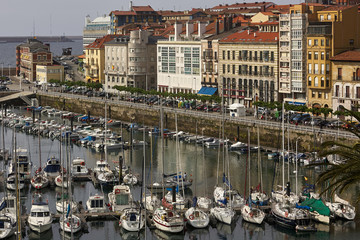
340,177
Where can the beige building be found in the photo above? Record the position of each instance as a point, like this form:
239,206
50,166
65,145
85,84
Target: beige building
131,61
264,17
45,73
95,59
346,80
248,67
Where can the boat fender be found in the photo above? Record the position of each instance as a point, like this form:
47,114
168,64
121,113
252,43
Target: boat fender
343,210
191,217
286,214
68,224
251,214
117,191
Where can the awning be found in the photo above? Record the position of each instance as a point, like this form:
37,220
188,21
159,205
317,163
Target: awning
207,91
296,103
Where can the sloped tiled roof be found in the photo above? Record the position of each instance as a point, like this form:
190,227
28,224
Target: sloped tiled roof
99,43
241,5
348,56
337,8
147,8
117,13
252,36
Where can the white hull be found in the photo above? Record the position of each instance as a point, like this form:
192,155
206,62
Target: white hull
197,218
59,183
252,215
60,209
132,225
166,225
69,227
204,202
130,179
151,202
320,218
40,227
9,225
225,215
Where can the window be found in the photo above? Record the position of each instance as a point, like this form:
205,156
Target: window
316,42
233,69
316,68
313,94
316,55
233,55
327,68
223,57
339,74
296,65
309,68
357,92
347,91
239,69
327,42
316,81
296,44
327,55
309,81
309,55
223,67
228,68
309,42
272,56
321,17
228,55
328,17
322,68
322,42
337,91
322,82
319,94
327,82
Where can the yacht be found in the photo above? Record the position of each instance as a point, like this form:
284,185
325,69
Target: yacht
120,198
107,178
197,218
101,166
96,203
62,202
40,219
78,167
39,181
7,225
168,220
11,182
24,166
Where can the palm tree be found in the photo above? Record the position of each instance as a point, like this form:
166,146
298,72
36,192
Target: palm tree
339,178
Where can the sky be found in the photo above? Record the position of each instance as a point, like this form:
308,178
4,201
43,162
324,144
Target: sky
67,17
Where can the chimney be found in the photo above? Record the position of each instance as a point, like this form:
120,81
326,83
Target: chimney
201,29
130,6
217,27
189,29
178,28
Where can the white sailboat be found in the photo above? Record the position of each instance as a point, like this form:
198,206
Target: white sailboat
131,220
62,181
197,218
70,224
342,208
11,182
7,225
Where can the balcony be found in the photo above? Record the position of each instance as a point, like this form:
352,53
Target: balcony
284,59
356,78
285,38
285,79
284,69
284,49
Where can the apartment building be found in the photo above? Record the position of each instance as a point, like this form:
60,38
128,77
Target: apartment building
346,80
337,29
248,67
30,54
131,61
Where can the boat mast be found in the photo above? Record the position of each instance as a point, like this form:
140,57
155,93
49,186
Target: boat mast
162,143
259,160
18,220
39,142
283,147
62,186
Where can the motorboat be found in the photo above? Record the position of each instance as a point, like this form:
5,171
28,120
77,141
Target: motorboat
11,182
168,220
151,202
79,168
39,181
96,203
7,225
24,165
113,145
39,219
252,215
8,204
53,167
120,198
132,220
223,214
215,143
237,146
70,224
138,143
101,166
197,218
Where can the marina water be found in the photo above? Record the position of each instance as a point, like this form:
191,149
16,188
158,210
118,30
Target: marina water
203,170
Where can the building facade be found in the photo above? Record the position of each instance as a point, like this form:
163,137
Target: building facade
29,55
131,61
97,28
337,29
248,67
46,73
292,55
346,80
95,59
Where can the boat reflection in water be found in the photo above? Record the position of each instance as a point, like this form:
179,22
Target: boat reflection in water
48,235
161,235
125,235
251,227
66,235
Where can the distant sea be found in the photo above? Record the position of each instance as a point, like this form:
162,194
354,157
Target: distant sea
8,50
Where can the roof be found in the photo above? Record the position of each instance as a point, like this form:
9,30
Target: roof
268,13
207,90
123,13
147,8
99,43
252,36
337,8
241,5
266,23
348,56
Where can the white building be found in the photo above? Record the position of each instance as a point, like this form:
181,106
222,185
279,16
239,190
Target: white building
292,57
178,61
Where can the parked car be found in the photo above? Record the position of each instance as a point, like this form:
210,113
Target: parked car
4,88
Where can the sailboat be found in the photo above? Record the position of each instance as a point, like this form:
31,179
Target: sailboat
342,208
165,218
10,182
70,224
7,225
39,181
248,213
40,219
